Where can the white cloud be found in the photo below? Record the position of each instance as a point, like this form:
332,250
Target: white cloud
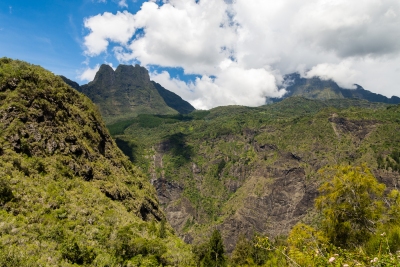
117,28
342,73
233,86
88,74
122,3
349,28
247,44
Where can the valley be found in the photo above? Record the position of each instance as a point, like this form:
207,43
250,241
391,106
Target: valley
256,170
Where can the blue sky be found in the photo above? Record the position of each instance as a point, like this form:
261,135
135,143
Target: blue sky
50,32
212,52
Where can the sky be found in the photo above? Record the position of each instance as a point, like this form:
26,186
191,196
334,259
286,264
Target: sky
212,52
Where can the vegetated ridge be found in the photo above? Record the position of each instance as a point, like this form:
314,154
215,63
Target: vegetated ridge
68,195
127,92
246,170
316,88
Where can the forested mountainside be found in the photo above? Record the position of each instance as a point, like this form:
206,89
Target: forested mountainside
68,195
316,88
127,92
256,170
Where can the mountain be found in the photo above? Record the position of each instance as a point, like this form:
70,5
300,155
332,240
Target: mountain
68,195
173,100
71,83
249,170
127,92
315,88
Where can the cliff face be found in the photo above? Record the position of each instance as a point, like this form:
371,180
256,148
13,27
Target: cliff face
69,191
125,93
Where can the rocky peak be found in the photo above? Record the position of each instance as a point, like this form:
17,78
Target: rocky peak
105,76
128,75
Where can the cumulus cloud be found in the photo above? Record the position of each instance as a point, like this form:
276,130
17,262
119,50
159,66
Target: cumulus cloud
349,28
233,86
107,27
240,49
342,73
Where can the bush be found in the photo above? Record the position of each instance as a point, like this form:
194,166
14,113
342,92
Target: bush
351,205
6,193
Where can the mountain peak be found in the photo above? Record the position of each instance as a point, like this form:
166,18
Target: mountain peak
317,88
136,74
128,92
105,75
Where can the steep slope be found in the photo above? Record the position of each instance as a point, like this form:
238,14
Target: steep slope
315,88
71,83
67,193
173,100
246,170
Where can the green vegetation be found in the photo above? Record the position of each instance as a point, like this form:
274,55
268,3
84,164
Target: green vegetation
351,203
229,156
391,162
68,196
211,253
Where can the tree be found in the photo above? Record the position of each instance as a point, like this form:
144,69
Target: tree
216,252
351,204
163,230
242,253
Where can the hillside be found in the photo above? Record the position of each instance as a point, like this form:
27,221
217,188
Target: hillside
246,170
68,196
128,92
315,88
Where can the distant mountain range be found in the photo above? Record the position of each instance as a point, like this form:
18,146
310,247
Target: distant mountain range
315,88
128,92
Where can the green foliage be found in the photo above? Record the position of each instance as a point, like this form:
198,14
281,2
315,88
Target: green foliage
68,195
211,253
216,251
78,254
120,126
351,205
367,232
242,252
307,245
390,162
163,231
6,193
220,156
